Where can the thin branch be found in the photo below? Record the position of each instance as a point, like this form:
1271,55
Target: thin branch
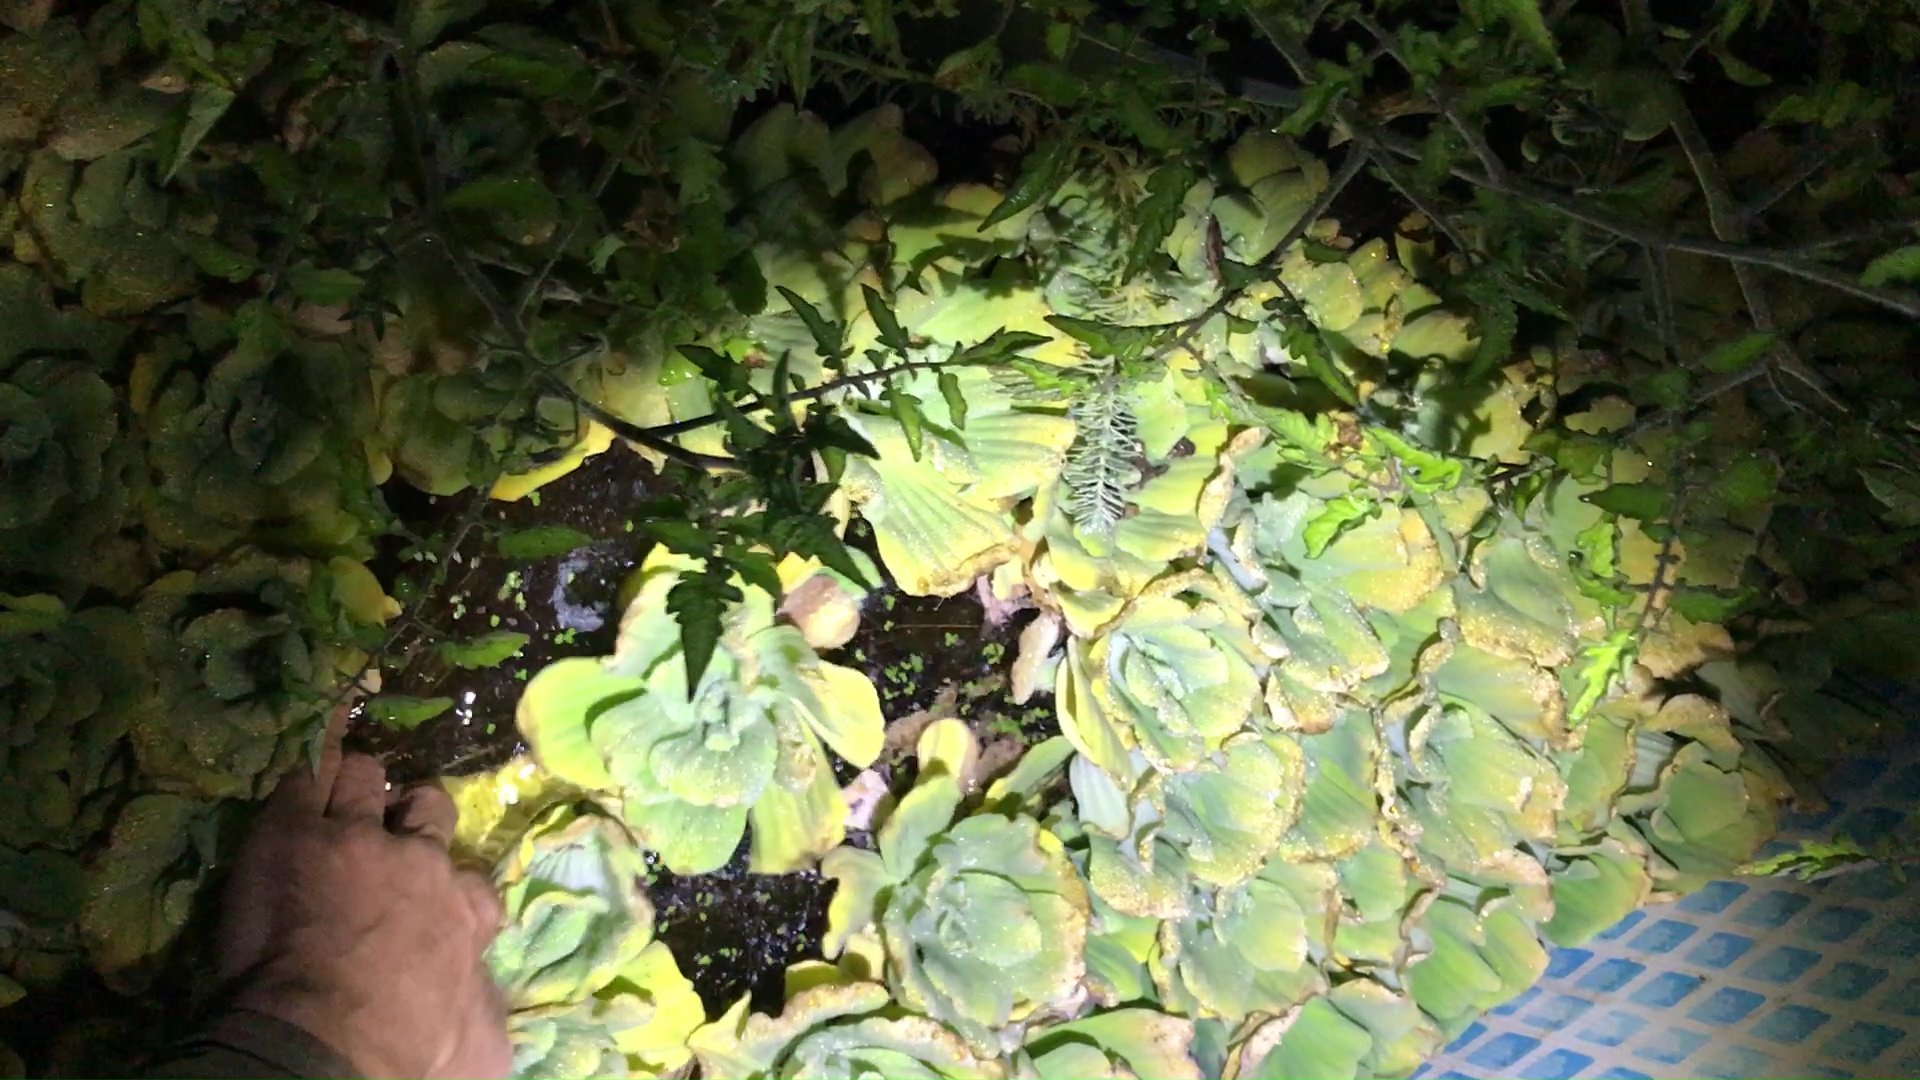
1295,53
646,437
1475,138
1872,231
1745,254
608,170
1730,225
1809,164
1411,192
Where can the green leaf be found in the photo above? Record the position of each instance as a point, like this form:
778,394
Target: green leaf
1748,482
404,713
215,258
1143,122
877,17
324,287
421,21
1039,176
485,651
756,569
208,104
1314,102
1602,663
684,537
745,284
1709,605
1155,216
999,347
1732,356
1102,339
956,401
1669,389
1896,490
1302,340
1643,502
542,542
1333,519
827,336
1420,469
830,429
1524,16
905,409
1739,70
720,369
699,602
519,196
1052,83
1900,264
884,323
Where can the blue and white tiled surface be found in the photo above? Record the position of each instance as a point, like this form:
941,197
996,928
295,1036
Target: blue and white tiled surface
1751,978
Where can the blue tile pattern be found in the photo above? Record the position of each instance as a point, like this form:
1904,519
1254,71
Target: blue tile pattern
1744,979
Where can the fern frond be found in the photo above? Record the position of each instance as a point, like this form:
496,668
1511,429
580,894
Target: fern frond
1103,463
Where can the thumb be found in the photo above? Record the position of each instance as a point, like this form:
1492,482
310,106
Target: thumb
483,907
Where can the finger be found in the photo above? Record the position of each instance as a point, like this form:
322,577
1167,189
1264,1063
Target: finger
483,905
426,810
359,789
306,786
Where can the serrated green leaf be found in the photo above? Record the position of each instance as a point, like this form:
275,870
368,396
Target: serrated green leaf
324,287
698,602
542,542
905,409
485,651
1731,356
217,259
1709,605
1303,342
1668,389
1333,519
827,336
1040,174
956,401
826,429
745,284
1900,264
721,370
403,712
204,109
1739,70
1155,216
1643,502
877,17
683,537
1748,482
884,322
1103,339
1600,664
756,569
519,196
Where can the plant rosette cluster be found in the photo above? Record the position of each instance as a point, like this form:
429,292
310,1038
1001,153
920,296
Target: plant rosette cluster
981,920
690,766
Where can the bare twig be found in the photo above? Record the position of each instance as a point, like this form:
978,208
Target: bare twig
1475,138
1410,191
1901,301
1730,225
610,168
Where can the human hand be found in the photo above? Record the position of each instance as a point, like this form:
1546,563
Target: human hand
345,917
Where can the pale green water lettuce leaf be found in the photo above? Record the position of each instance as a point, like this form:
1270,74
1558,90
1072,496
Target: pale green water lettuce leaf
983,919
836,1029
1112,1046
690,768
575,915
